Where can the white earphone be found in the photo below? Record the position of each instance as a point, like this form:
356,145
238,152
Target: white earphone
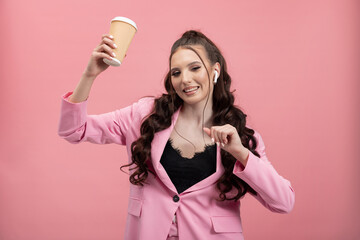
215,77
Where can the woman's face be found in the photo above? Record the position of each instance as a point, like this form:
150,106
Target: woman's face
189,76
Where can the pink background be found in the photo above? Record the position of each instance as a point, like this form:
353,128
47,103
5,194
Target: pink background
294,66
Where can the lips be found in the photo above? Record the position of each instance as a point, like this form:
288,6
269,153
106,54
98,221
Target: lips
190,89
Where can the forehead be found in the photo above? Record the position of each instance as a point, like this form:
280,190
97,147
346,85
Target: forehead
184,55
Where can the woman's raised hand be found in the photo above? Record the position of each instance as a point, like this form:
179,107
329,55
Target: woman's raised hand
228,138
96,64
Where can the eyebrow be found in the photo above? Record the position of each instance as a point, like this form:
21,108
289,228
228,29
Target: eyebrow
175,68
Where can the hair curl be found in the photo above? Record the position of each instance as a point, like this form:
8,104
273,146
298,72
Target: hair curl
224,112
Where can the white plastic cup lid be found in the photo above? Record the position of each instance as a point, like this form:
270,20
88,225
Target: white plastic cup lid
114,62
127,20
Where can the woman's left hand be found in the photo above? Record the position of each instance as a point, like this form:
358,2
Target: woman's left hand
228,138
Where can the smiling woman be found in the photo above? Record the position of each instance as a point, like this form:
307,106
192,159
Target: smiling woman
190,75
179,175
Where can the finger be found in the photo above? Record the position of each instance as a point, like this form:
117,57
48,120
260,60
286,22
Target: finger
109,42
107,39
207,131
106,49
221,133
215,136
107,36
224,136
98,55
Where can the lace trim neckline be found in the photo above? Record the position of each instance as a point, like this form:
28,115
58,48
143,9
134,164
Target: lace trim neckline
207,148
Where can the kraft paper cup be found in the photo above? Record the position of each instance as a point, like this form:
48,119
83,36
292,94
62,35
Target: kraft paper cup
123,30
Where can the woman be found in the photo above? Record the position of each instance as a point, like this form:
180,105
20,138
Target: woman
183,185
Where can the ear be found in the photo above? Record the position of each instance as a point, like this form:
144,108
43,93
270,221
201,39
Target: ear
216,67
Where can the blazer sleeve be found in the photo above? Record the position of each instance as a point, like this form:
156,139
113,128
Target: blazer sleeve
76,126
273,191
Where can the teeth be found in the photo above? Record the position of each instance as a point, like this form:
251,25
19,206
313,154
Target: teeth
190,89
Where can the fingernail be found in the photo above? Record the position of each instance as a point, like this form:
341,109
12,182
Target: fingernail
213,140
111,36
114,54
115,45
222,144
217,143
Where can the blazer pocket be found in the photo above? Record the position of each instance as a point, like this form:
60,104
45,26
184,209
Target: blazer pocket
226,224
134,207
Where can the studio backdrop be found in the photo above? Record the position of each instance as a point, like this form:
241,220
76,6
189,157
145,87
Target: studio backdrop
294,71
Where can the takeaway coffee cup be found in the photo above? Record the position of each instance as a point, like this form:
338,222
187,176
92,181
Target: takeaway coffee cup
123,30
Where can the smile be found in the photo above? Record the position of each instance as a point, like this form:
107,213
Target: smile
190,89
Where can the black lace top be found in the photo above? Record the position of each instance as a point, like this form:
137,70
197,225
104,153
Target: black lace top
185,172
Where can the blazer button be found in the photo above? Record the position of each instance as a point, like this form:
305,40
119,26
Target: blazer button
176,198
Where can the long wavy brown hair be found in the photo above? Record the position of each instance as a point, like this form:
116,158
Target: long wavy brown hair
224,112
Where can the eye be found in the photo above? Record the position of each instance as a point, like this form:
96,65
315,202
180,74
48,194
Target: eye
175,73
195,68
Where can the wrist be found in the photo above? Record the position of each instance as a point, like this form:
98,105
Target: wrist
242,154
88,76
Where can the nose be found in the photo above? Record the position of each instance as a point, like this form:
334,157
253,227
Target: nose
186,77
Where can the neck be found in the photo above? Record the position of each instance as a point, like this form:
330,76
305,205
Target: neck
195,113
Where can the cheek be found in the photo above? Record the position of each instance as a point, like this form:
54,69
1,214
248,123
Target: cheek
205,81
204,77
175,84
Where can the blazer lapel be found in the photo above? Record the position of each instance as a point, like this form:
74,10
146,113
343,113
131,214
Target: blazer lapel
157,149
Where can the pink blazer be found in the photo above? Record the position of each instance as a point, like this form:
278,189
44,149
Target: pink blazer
152,207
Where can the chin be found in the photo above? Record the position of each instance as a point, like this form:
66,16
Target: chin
194,101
